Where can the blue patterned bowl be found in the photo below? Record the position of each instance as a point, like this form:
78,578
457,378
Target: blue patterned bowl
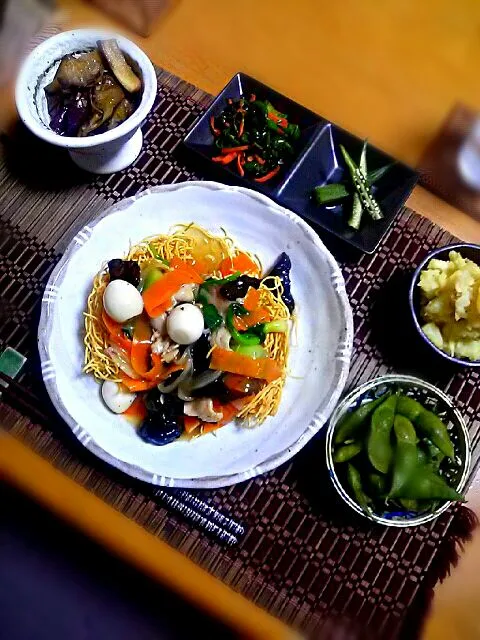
433,399
470,251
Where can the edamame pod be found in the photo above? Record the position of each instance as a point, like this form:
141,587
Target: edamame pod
379,446
354,420
355,482
377,483
409,407
347,452
432,427
434,456
406,454
427,485
409,505
427,422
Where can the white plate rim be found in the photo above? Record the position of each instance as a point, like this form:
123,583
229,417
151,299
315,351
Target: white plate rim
321,415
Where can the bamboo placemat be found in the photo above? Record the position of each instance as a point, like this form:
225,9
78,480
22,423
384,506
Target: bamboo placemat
303,558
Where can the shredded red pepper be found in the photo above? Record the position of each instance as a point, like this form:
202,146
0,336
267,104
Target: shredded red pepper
213,127
239,165
226,159
243,147
282,122
269,175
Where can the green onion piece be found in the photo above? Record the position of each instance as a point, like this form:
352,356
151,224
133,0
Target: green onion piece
152,276
276,326
156,255
213,282
329,193
252,351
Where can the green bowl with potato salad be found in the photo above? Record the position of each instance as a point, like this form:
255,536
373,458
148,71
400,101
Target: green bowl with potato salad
398,451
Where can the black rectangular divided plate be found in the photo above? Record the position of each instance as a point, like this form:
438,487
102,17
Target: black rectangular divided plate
316,163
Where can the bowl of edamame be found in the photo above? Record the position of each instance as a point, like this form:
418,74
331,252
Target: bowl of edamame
398,451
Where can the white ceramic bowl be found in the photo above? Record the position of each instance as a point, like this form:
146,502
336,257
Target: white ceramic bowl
103,153
318,364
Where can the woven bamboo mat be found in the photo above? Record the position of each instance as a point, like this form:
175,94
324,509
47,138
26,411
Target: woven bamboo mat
303,557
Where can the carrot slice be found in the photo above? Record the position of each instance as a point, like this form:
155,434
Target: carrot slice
142,350
137,409
241,262
268,176
252,299
137,385
157,374
190,423
239,323
233,362
141,346
158,297
187,267
229,411
257,316
115,332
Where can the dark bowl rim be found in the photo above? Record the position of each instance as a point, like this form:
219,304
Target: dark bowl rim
449,247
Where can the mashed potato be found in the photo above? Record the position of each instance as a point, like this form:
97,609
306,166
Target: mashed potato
451,305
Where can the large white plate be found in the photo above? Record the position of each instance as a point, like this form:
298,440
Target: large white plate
318,364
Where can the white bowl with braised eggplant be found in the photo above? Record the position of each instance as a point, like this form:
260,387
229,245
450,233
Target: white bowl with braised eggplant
88,91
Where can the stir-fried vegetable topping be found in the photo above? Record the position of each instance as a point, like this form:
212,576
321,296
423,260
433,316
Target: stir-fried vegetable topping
182,341
254,138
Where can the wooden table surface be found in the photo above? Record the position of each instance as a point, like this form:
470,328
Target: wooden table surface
390,71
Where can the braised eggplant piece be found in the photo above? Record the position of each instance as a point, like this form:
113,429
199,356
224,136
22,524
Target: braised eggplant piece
77,71
68,114
105,96
128,270
238,288
281,268
92,92
121,112
119,66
